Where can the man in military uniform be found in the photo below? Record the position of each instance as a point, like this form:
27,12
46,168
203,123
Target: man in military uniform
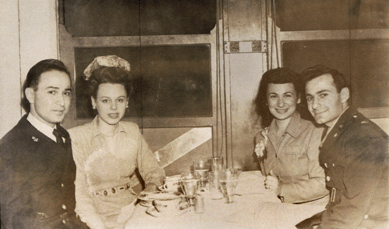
37,170
354,154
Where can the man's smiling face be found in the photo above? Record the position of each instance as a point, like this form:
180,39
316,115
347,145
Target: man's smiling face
325,103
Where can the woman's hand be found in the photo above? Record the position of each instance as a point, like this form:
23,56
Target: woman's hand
271,182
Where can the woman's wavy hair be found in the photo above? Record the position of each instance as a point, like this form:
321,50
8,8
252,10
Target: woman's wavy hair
112,75
275,76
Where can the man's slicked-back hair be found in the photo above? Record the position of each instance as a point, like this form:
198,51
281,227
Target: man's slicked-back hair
33,76
319,70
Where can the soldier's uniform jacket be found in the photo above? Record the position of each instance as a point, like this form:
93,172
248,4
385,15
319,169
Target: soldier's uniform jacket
355,158
36,180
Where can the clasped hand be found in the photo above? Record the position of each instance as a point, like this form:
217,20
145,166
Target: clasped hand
271,182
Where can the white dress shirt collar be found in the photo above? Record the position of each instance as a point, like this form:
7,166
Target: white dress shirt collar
42,127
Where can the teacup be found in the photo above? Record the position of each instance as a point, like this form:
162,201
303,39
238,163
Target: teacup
167,206
172,183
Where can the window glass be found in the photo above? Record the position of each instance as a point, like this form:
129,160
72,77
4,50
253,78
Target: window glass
168,81
370,73
90,18
301,15
364,62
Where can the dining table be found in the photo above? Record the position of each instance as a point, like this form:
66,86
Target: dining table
254,206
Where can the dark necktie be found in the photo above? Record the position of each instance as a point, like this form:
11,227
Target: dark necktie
324,133
58,137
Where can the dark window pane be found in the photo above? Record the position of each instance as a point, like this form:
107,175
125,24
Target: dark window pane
369,14
169,81
301,55
370,73
89,18
301,15
365,61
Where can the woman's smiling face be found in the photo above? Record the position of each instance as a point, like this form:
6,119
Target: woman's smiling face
282,100
111,101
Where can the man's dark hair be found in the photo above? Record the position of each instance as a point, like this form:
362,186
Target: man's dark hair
319,70
33,76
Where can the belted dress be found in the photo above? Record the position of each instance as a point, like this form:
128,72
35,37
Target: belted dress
105,176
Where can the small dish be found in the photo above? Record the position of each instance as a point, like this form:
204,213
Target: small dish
153,212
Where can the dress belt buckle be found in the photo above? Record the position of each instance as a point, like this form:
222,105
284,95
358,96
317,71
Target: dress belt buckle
333,195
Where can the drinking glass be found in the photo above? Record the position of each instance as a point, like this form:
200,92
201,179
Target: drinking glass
228,180
214,187
201,168
189,185
216,163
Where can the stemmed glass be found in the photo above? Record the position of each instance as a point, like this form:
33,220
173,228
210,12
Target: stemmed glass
228,180
216,163
201,168
189,185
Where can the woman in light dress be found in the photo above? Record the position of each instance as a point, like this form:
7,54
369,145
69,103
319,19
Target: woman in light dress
107,151
288,146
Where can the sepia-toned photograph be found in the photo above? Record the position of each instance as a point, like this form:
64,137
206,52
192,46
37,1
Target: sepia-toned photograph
203,114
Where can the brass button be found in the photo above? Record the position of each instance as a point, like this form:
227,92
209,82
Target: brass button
325,165
62,185
64,221
328,178
63,206
335,135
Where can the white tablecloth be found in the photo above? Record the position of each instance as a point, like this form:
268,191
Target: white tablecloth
254,207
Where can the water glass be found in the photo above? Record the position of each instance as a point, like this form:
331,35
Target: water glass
201,168
228,180
216,163
190,186
214,188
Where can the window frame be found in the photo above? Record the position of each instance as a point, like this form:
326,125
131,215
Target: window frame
68,43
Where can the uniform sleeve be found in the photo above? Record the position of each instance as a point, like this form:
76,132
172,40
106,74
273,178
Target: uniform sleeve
361,177
148,167
14,199
313,188
6,195
84,203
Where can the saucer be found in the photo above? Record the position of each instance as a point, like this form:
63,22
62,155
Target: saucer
153,212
